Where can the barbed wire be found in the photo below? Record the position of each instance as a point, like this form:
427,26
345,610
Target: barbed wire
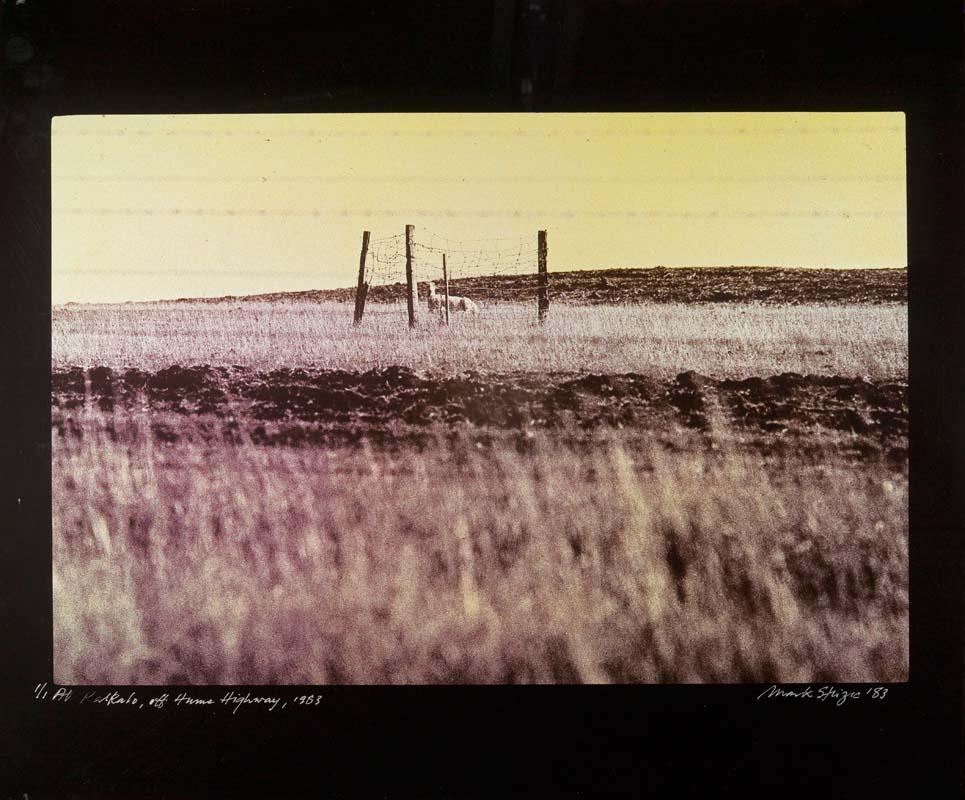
740,130
433,236
472,213
511,179
383,240
479,258
479,263
385,260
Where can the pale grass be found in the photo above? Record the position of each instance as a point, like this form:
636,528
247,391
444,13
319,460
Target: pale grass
244,564
721,340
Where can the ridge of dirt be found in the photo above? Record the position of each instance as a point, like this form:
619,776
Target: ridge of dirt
380,399
769,285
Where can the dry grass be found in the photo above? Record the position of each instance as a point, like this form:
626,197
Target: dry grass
200,561
194,563
721,340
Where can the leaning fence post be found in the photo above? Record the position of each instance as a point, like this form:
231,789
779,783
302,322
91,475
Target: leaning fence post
362,289
411,295
445,283
542,279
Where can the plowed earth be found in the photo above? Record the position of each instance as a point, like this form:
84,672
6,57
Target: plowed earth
302,406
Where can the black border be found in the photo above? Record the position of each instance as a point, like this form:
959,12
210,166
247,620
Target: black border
108,56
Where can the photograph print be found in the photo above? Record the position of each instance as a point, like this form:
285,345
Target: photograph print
479,399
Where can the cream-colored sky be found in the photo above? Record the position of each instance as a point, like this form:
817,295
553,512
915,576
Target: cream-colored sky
151,207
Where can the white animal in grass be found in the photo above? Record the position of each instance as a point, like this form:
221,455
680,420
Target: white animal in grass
437,302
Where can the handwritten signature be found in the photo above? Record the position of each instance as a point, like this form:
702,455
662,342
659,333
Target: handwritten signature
824,694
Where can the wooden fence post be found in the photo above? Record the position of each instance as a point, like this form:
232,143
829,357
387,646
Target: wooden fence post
445,283
411,295
542,279
363,288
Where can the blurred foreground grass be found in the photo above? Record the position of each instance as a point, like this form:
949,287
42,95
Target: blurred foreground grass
219,563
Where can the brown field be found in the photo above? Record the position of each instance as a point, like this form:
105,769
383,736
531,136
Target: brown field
615,287
256,492
300,406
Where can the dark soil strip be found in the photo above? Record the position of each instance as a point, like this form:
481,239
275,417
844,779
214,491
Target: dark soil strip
782,404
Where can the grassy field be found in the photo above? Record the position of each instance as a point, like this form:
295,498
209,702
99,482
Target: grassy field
722,340
214,563
718,533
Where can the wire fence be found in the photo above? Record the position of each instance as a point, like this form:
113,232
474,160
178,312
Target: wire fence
474,261
482,273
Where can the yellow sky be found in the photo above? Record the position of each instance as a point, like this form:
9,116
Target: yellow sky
151,207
